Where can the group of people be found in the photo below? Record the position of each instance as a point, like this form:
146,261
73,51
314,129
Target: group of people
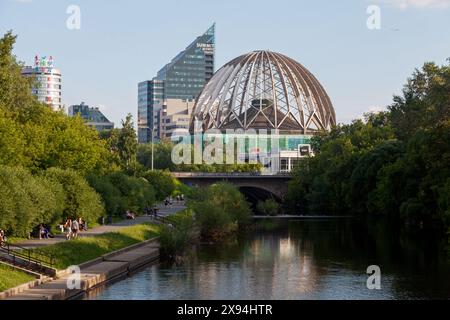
168,200
3,238
44,232
73,227
130,215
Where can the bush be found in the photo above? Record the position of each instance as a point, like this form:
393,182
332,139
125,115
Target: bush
210,217
268,207
136,193
27,200
112,198
80,200
219,209
174,240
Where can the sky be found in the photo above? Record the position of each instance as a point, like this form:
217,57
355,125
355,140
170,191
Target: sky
120,43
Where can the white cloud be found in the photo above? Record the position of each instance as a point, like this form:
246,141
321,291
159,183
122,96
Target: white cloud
405,4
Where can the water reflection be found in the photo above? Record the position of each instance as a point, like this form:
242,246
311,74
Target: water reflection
302,260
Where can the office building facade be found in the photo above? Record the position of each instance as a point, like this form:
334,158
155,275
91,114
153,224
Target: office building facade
150,102
93,116
174,121
179,82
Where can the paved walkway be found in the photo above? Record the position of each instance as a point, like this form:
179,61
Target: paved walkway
164,211
111,265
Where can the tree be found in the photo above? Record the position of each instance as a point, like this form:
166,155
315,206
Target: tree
137,194
80,199
218,208
392,165
112,198
127,143
163,183
26,200
425,102
15,93
162,158
268,207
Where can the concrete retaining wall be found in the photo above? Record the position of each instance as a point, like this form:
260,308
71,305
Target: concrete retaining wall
40,279
93,274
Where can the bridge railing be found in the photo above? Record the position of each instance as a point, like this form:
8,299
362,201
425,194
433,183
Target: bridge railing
227,174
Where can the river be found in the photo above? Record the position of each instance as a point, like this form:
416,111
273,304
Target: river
311,259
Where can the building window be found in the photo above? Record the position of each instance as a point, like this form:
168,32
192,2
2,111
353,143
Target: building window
284,164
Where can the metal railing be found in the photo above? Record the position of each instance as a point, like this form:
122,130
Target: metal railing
34,256
165,219
229,174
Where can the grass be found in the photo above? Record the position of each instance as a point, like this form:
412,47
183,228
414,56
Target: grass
10,278
81,250
179,217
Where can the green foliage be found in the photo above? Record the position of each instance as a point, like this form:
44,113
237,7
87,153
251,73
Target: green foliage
174,239
14,89
27,200
112,198
219,207
162,159
136,193
127,143
80,199
425,101
268,207
393,165
162,181
35,137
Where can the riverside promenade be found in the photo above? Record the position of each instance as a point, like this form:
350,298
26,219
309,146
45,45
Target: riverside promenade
113,227
99,271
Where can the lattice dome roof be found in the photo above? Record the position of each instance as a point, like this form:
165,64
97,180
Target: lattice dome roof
264,90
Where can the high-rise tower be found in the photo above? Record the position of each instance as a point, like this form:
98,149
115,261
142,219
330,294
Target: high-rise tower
181,79
47,84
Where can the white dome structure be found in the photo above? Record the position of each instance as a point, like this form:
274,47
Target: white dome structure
264,90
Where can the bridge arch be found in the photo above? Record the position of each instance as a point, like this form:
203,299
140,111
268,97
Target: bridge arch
252,185
254,194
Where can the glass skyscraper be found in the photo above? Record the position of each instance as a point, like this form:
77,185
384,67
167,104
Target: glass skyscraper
183,78
150,101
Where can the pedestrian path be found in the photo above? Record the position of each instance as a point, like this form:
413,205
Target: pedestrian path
109,266
116,226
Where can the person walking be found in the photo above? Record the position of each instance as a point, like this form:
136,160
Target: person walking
3,238
41,231
82,224
68,227
75,228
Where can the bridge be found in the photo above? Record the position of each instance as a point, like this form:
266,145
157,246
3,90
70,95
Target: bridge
254,186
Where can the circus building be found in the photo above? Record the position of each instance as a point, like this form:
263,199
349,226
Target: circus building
269,91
